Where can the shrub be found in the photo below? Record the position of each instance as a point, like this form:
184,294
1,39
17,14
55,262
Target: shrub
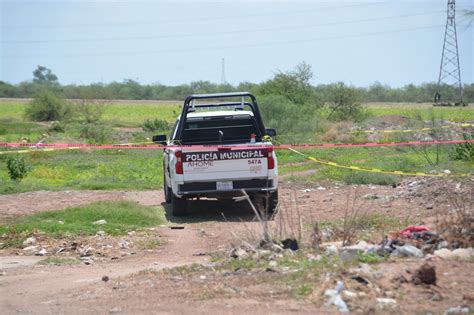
17,167
156,124
48,107
95,132
88,111
464,151
280,113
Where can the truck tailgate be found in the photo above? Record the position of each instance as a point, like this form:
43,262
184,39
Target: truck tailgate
222,164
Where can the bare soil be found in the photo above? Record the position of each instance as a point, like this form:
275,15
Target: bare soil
135,286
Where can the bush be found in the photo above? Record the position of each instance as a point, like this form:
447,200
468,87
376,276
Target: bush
88,111
280,113
156,124
48,107
95,132
344,103
464,151
17,168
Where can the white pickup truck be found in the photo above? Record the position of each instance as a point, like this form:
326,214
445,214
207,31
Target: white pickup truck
217,148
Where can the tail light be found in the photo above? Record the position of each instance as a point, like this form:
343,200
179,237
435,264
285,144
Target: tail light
179,162
270,159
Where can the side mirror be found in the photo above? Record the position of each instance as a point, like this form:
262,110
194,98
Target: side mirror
271,132
159,139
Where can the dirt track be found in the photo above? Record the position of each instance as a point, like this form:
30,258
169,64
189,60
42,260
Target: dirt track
30,288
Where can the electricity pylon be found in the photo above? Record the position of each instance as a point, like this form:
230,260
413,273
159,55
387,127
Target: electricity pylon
449,70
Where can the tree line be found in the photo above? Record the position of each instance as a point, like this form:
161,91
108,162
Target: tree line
44,79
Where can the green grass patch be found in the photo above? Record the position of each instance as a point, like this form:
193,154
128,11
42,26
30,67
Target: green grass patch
54,260
359,177
304,290
87,169
121,217
135,114
412,111
370,258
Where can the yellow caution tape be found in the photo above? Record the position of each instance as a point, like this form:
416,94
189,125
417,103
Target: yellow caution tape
376,170
37,150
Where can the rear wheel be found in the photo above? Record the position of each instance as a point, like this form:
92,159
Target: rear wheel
178,205
272,202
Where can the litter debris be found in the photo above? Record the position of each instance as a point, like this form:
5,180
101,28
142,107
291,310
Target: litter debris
413,228
408,251
426,274
30,249
331,249
384,302
105,278
290,243
124,244
360,279
87,260
42,252
100,222
29,241
460,253
177,227
456,310
335,297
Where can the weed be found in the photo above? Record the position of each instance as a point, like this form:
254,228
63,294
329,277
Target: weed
121,217
183,270
370,258
17,167
156,125
151,243
304,290
365,178
464,151
54,260
95,132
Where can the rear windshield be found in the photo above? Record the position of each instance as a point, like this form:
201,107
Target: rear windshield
220,130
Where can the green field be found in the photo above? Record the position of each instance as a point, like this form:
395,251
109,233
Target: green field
142,168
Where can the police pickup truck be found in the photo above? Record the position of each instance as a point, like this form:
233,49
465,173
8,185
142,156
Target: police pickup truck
217,148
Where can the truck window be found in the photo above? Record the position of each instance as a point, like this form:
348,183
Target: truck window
220,130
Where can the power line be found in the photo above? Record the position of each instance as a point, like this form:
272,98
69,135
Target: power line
219,33
201,19
195,49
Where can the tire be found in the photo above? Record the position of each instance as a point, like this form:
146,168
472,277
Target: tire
167,190
272,202
179,206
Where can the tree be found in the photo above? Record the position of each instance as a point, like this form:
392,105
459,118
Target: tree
43,75
294,85
345,103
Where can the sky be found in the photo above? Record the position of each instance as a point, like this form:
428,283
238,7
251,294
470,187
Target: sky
394,42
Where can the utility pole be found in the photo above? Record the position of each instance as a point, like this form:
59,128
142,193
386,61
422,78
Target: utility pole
223,72
449,70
